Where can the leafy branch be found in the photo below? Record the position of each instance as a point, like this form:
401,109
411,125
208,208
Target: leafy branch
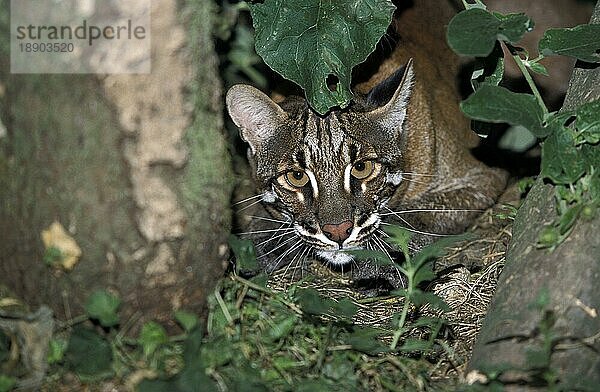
570,155
316,44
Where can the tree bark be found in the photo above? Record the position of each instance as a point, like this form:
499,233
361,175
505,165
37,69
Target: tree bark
570,273
134,167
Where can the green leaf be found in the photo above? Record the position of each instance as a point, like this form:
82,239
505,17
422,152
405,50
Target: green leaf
89,355
245,255
312,41
500,105
538,68
437,249
588,121
488,70
513,26
375,256
364,339
580,42
399,236
474,32
103,306
151,337
187,320
53,256
345,308
562,162
216,353
432,323
424,273
517,138
312,303
283,328
548,237
56,350
192,378
414,344
568,219
7,383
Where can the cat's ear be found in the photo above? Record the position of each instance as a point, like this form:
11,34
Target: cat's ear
254,113
391,98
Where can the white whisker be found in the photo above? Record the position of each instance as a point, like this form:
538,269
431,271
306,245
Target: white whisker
298,260
274,237
247,199
266,231
268,219
415,181
279,259
420,232
377,241
277,247
418,174
399,217
427,210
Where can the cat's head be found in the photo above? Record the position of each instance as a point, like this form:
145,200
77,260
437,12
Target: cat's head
331,175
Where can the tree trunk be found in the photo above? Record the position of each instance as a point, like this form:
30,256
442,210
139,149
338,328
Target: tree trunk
134,167
570,273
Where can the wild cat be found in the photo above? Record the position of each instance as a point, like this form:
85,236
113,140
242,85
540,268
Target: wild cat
398,154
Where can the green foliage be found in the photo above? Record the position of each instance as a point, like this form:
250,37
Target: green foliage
499,105
300,338
151,337
561,161
570,154
7,383
89,354
56,350
488,70
580,42
52,256
474,32
242,58
316,44
245,256
188,321
103,306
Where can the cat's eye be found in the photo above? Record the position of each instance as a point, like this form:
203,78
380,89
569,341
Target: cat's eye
296,178
362,169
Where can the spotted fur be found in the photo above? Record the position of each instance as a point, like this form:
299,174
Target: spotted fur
423,176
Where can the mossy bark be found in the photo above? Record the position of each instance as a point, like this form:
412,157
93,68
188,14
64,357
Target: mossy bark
135,167
570,274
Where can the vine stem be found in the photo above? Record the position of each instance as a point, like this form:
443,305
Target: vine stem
401,322
530,81
405,308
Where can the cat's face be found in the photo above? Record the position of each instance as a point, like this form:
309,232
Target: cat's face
330,175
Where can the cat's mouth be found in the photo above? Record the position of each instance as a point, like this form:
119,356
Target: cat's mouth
334,252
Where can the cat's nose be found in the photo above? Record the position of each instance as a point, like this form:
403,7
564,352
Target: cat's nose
338,232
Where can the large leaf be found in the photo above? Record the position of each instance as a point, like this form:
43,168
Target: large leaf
312,303
89,355
499,105
151,337
474,32
581,42
562,162
588,121
314,42
103,306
